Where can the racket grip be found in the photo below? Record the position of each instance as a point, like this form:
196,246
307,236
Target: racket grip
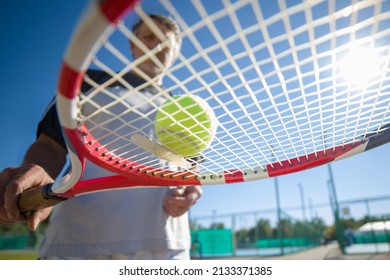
37,198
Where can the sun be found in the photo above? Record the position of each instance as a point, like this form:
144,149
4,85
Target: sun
360,66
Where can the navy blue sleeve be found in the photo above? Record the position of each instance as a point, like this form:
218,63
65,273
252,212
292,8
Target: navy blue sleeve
50,124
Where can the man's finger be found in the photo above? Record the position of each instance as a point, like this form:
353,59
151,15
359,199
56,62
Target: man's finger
32,176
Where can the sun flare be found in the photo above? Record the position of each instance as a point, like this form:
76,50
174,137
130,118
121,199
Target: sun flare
360,66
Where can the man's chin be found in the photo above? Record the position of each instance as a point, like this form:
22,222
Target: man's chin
154,73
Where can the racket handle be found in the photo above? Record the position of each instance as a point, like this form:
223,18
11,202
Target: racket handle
37,198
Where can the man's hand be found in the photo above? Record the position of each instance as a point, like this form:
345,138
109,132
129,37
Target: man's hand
179,200
43,161
14,181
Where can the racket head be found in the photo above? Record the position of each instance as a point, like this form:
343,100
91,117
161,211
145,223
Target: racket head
270,71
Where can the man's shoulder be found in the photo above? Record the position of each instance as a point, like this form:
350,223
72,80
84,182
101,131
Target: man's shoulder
100,76
96,75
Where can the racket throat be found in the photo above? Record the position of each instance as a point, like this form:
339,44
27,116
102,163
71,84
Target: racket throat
48,194
160,151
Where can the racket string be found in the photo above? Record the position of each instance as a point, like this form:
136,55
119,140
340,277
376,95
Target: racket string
272,83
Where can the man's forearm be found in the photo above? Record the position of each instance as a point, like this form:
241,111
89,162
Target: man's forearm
48,154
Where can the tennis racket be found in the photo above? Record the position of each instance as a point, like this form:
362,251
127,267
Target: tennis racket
293,85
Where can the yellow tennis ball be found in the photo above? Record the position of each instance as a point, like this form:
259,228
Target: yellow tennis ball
185,124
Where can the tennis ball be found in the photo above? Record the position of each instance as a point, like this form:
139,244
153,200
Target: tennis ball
185,124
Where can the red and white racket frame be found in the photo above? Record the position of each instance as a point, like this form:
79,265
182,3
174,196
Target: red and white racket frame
100,22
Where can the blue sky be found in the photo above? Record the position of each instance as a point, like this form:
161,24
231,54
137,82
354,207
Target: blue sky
33,43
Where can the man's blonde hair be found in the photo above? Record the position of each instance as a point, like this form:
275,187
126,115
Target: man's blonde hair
169,23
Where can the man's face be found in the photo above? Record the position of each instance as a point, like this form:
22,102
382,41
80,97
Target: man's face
166,56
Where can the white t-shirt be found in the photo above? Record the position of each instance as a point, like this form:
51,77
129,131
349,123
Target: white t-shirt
114,222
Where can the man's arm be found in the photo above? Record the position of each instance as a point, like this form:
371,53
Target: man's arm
48,154
43,162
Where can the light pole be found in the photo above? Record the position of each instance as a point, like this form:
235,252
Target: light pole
311,210
279,213
335,207
213,229
302,202
334,203
213,225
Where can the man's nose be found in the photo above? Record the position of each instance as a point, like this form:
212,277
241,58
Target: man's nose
164,46
154,43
